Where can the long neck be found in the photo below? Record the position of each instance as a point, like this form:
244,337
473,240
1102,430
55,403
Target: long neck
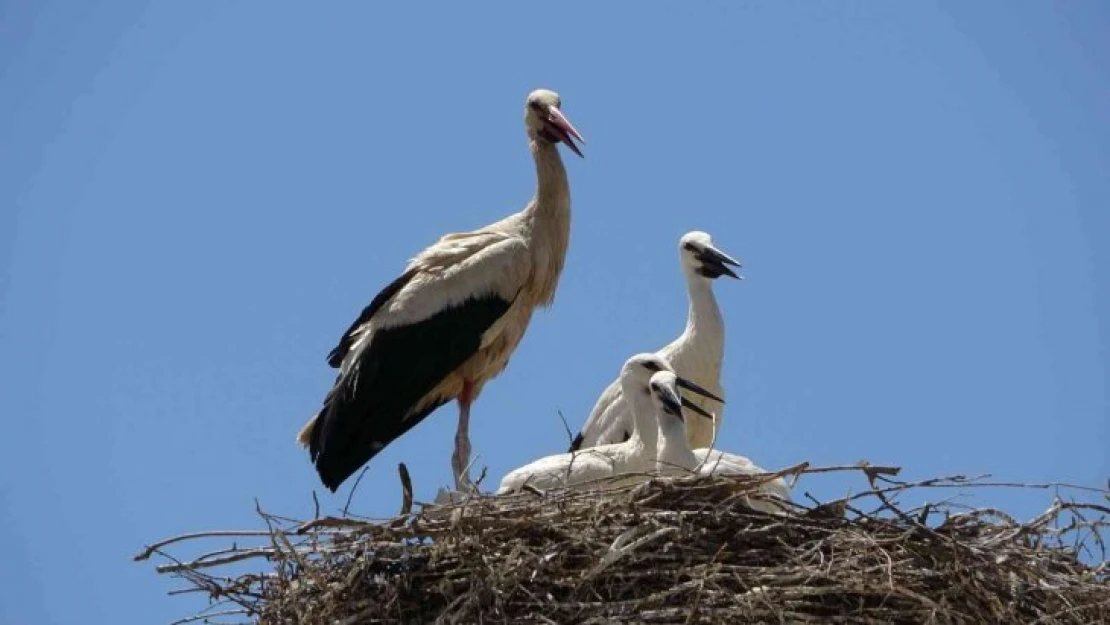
645,424
674,450
548,217
552,188
704,320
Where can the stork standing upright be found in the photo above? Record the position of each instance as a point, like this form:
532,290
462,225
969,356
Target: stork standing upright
449,323
697,354
635,455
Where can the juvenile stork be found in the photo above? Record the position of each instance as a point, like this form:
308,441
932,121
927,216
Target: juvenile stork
675,458
717,462
635,455
673,455
449,323
697,353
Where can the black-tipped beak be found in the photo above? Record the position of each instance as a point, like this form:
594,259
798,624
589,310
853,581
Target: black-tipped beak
715,263
696,409
671,403
690,386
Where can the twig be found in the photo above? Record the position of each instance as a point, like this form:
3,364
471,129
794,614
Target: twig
150,550
204,616
621,547
868,469
406,489
566,427
351,494
239,556
330,521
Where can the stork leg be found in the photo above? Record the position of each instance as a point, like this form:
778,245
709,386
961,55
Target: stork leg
460,460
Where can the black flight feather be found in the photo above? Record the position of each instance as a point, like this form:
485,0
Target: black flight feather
371,405
576,443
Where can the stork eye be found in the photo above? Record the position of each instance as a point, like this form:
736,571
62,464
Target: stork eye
690,247
536,106
652,366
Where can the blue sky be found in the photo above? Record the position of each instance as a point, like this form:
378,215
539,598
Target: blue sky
196,198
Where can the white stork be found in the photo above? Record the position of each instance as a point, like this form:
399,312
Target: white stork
717,462
635,455
697,354
674,456
449,323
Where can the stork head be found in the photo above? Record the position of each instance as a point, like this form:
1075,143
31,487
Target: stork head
636,376
701,258
663,388
546,122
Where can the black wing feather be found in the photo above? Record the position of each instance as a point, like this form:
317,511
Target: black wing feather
371,405
576,444
339,352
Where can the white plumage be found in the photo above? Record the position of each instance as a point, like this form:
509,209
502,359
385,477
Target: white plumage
673,456
635,456
697,354
450,322
717,462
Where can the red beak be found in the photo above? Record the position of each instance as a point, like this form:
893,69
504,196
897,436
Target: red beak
562,128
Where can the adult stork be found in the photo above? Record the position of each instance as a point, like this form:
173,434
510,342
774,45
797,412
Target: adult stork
635,455
697,354
449,323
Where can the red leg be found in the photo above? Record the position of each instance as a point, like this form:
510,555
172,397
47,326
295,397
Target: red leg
460,460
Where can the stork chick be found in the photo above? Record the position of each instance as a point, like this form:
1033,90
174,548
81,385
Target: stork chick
633,456
675,458
448,324
697,354
717,462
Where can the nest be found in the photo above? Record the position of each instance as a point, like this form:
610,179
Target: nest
668,551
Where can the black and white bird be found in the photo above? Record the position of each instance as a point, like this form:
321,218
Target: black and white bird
635,456
697,354
449,323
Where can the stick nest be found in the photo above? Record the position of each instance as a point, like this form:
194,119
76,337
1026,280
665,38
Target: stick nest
668,551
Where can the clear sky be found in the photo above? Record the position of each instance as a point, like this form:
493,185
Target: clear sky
197,198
